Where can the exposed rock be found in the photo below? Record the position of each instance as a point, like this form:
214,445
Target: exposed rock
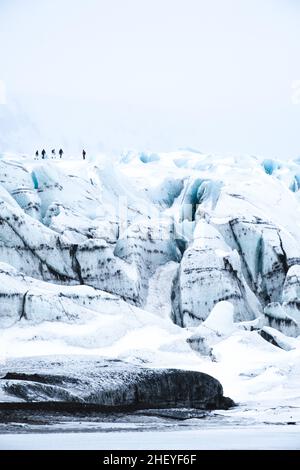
107,384
277,339
268,337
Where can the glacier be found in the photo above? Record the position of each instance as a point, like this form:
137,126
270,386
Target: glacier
176,260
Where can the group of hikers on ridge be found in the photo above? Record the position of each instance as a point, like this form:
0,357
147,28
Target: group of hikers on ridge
53,154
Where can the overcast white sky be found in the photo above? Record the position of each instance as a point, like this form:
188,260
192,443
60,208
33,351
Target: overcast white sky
217,75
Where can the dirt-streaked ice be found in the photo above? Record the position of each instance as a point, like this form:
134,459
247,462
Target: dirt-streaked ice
176,259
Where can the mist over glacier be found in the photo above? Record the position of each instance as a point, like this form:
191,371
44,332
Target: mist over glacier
222,77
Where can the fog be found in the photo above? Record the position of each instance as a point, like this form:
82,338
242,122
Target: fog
222,76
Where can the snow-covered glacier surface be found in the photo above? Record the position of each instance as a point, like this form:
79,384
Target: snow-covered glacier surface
176,260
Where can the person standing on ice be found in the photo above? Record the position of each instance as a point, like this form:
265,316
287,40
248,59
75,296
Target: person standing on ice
61,153
83,154
53,153
37,155
43,153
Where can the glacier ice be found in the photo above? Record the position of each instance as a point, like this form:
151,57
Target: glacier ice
209,273
61,223
164,259
276,317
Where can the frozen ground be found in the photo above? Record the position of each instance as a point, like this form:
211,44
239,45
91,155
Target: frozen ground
178,260
250,438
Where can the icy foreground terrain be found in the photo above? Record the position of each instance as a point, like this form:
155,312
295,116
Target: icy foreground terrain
178,260
257,438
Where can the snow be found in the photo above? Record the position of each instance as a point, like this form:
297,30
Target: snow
220,318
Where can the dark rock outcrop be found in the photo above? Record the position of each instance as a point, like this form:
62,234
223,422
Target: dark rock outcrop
276,338
106,384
